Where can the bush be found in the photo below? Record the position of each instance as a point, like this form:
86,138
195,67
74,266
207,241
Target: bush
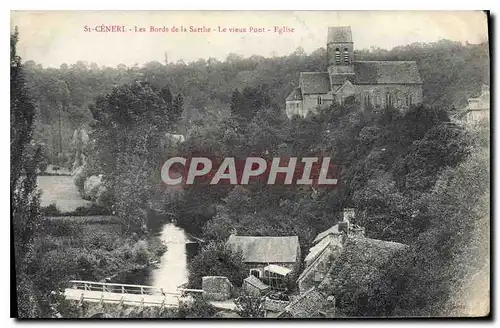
217,259
141,252
50,210
42,166
249,306
197,308
59,228
92,210
91,187
79,177
89,211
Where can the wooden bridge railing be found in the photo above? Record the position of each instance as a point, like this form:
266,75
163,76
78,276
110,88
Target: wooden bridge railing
126,288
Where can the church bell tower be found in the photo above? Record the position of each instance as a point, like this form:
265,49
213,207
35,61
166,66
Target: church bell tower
340,50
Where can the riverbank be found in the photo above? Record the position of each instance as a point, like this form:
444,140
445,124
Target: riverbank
75,250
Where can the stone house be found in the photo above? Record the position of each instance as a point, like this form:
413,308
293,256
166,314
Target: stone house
330,245
478,109
373,84
264,255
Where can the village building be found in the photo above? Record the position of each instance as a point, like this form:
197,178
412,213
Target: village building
253,286
478,109
329,248
372,84
274,260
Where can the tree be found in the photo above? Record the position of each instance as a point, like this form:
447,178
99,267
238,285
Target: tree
177,108
129,130
25,199
217,259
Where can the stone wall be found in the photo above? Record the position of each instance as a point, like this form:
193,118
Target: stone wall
310,102
216,288
399,92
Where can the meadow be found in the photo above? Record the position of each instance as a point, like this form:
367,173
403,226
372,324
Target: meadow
60,190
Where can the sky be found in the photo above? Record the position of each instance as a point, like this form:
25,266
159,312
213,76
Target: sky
52,38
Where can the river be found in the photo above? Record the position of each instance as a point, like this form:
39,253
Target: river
172,270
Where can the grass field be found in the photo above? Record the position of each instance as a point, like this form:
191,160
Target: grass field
62,191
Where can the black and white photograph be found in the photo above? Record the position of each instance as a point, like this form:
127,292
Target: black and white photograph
250,164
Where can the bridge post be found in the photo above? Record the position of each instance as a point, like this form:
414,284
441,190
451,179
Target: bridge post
162,306
142,290
80,302
123,289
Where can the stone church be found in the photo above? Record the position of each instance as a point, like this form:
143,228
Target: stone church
374,84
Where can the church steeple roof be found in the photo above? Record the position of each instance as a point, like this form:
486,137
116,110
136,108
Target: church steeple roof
339,34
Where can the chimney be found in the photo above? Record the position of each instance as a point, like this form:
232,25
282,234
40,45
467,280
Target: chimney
330,306
347,226
357,231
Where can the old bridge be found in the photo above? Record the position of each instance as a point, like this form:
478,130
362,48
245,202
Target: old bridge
133,295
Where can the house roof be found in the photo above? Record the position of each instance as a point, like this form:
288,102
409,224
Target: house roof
381,72
254,281
314,82
267,249
365,72
296,94
361,261
318,248
332,230
339,34
311,265
307,304
277,269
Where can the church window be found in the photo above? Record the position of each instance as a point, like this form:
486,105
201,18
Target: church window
409,100
388,100
368,102
337,56
346,55
319,100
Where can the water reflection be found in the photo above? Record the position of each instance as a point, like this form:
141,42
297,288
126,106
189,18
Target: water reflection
172,270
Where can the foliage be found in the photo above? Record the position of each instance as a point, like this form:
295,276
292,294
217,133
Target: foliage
445,272
129,133
196,308
216,259
403,172
25,199
71,250
248,306
451,73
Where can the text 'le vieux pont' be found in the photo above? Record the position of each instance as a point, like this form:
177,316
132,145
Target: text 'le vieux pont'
103,28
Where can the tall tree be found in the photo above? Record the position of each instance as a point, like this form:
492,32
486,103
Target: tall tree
177,108
129,130
25,203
